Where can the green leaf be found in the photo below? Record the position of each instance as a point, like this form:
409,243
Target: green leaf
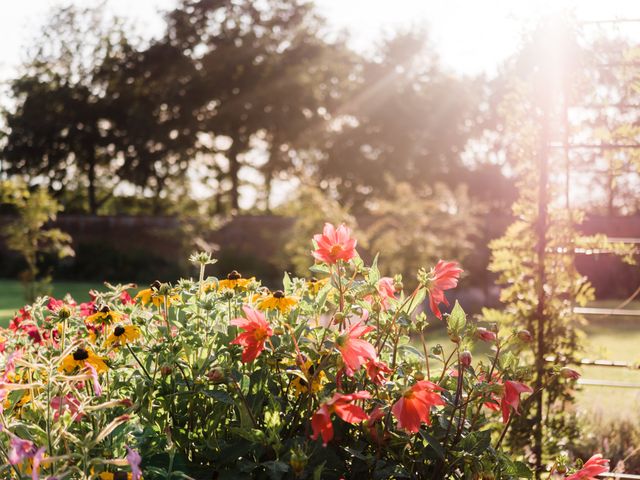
433,443
220,396
317,472
414,302
374,272
275,469
286,283
457,319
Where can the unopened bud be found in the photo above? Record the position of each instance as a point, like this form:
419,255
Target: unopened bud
64,313
278,331
166,370
216,375
485,335
338,317
298,462
466,358
566,372
525,335
418,376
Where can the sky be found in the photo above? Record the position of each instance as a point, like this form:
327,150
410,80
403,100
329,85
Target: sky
472,36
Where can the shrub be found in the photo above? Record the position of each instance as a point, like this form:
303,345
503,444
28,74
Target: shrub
221,378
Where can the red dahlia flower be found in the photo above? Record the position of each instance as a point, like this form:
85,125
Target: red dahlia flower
256,332
342,406
414,407
511,397
377,371
334,244
443,276
355,351
591,469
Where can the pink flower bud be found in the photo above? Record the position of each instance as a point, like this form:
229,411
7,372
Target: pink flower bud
465,358
566,372
486,335
525,335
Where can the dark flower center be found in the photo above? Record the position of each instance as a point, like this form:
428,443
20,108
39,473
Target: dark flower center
120,476
234,275
156,285
313,280
278,294
105,309
119,330
80,354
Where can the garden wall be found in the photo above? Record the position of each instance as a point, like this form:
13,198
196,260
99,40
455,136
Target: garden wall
143,248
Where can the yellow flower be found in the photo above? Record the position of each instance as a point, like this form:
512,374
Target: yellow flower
277,301
234,280
122,335
301,385
115,476
314,285
153,295
103,316
79,358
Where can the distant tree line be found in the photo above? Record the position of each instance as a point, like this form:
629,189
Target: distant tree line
246,94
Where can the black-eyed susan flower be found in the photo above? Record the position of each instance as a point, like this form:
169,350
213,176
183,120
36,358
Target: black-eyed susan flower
123,334
300,385
115,476
314,285
234,280
79,358
154,295
103,316
277,301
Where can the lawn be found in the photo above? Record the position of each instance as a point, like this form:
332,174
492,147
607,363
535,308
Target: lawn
12,297
608,338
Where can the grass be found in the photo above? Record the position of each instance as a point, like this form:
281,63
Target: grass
608,338
12,296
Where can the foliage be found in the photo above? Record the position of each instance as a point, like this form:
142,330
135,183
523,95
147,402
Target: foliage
309,209
535,259
224,378
415,227
29,235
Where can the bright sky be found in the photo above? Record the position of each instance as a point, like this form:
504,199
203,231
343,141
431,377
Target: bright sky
472,36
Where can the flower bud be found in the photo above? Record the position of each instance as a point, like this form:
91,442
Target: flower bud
454,337
278,331
437,350
566,372
466,358
418,376
485,335
298,462
349,298
525,335
64,313
338,318
216,375
166,370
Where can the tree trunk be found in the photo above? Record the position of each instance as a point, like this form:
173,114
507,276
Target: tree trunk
91,176
234,170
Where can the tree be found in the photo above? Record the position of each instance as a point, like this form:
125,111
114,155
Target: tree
405,119
266,76
58,133
418,227
28,234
